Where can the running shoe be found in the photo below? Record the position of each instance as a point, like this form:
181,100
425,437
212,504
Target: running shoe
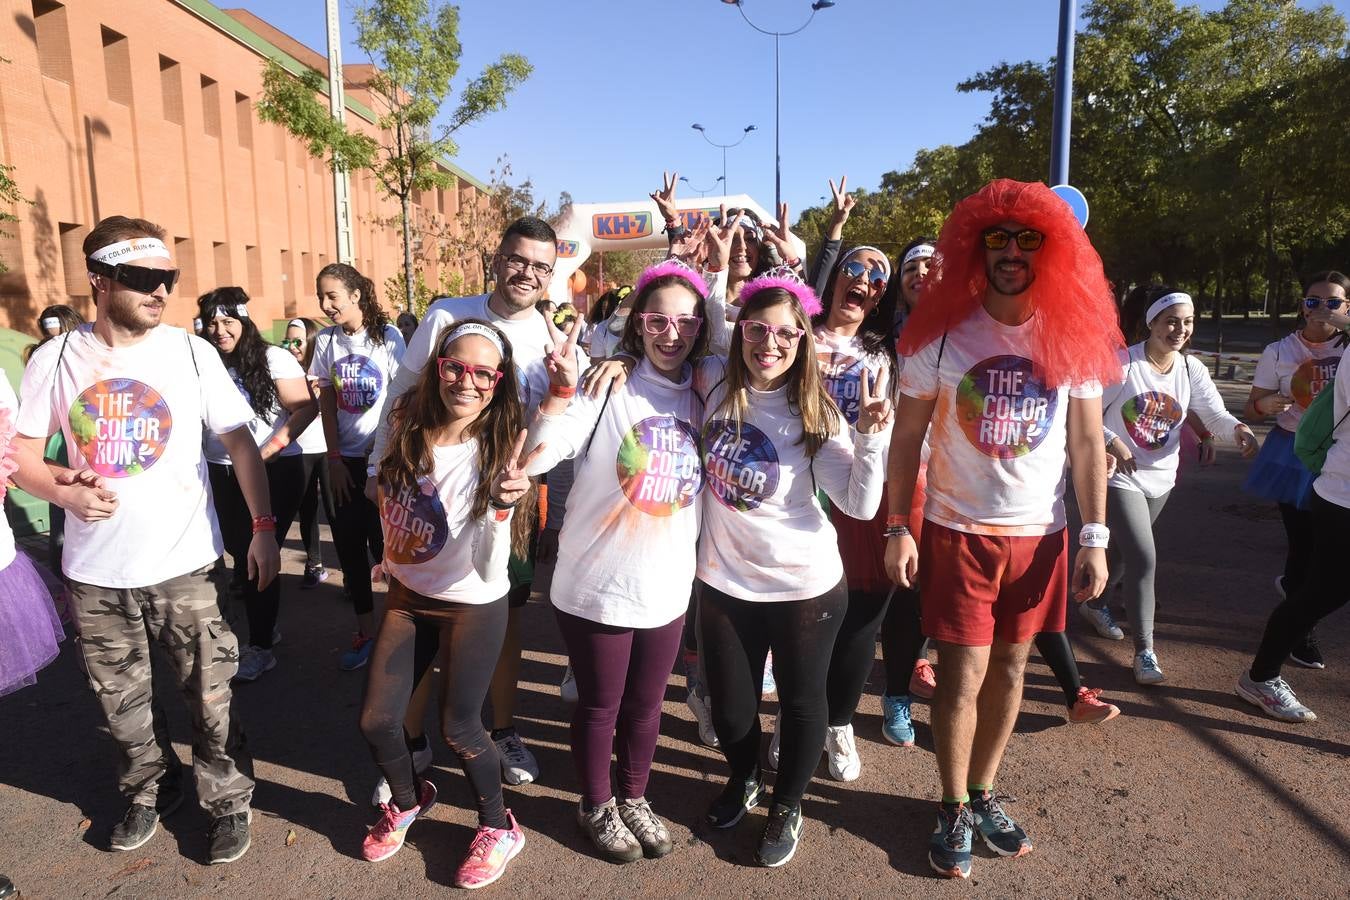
1275,697
491,850
1088,710
138,825
736,799
1001,834
606,829
923,680
1102,621
841,752
769,686
697,700
386,836
518,764
896,724
775,742
359,655
646,826
1307,653
314,576
253,662
1146,668
421,762
949,845
567,689
781,836
229,837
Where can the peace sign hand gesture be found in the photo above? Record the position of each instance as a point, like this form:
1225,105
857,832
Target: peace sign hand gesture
691,241
665,198
719,238
780,235
874,407
511,482
843,206
560,357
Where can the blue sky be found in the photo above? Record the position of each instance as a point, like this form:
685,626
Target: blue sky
617,85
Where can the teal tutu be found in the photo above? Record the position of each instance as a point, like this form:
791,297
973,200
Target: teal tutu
1277,474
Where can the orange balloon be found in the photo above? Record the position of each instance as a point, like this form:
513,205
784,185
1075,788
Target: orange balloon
577,282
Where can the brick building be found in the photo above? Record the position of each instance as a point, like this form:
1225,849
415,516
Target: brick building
146,108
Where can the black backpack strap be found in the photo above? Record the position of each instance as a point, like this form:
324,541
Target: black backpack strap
585,451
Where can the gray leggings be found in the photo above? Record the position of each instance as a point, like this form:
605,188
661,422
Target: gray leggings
1132,557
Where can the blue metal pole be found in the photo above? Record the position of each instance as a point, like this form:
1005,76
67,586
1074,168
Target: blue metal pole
1062,121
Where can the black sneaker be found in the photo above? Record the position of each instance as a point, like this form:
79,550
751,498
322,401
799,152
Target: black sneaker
137,826
736,799
229,836
314,576
1307,653
780,836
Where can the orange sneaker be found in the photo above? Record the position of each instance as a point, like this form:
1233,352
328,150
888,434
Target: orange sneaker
923,681
1088,710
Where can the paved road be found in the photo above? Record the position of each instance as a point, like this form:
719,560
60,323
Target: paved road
1189,793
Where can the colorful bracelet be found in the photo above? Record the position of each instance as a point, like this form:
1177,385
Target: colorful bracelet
562,393
896,531
264,523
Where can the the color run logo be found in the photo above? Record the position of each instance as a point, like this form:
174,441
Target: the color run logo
741,465
1149,419
121,426
358,382
415,528
842,375
1309,379
1003,408
658,465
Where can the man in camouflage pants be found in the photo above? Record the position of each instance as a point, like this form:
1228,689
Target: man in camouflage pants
132,396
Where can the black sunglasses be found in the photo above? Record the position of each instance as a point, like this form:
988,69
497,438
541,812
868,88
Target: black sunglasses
1329,302
1027,238
141,279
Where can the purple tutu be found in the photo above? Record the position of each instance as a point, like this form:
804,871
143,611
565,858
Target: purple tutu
1277,474
30,631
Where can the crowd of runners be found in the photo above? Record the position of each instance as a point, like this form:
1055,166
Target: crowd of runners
746,466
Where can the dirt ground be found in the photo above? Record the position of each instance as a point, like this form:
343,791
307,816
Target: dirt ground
1189,793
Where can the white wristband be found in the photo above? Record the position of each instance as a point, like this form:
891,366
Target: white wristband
1094,535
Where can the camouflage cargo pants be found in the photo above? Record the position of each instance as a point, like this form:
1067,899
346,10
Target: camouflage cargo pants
183,614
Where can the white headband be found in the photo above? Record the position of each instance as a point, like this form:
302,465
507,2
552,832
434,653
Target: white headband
296,323
919,251
224,310
128,251
1163,303
885,261
51,322
481,330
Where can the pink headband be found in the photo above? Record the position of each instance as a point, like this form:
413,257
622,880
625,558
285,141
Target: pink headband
679,270
784,278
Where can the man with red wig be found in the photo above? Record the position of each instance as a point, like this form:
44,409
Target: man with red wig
1005,357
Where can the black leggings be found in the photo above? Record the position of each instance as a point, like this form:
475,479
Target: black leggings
855,647
284,486
412,633
1322,591
316,489
902,640
734,638
1054,648
358,538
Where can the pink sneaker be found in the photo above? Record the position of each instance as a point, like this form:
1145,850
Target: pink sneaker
1088,710
385,838
923,681
491,850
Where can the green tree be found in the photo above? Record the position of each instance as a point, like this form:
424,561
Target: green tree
415,50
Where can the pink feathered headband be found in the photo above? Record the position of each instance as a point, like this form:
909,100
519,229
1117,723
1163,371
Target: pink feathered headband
785,279
679,270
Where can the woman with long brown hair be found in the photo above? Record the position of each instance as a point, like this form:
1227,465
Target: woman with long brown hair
299,342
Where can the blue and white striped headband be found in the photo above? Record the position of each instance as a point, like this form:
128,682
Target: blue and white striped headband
885,261
480,330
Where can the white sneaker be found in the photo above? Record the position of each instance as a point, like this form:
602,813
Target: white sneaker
844,762
1102,621
701,707
518,764
253,662
773,743
568,688
1146,668
1275,697
421,762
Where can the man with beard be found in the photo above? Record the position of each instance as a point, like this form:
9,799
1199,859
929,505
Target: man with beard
131,396
522,268
1005,357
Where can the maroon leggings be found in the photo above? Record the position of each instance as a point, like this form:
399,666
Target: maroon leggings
621,678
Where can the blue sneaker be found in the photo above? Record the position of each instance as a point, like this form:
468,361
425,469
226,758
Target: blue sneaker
1004,836
896,725
949,847
359,655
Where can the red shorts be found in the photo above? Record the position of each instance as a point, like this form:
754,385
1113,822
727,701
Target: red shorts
977,587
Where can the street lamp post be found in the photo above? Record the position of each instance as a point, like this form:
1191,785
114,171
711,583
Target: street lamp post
724,147
702,193
1062,118
777,86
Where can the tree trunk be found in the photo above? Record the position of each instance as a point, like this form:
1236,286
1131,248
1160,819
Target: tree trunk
1271,264
405,202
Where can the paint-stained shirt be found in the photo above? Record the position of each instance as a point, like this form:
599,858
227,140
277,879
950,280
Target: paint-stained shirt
1298,369
359,371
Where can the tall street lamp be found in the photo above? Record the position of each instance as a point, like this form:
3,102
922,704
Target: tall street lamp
724,147
703,193
777,87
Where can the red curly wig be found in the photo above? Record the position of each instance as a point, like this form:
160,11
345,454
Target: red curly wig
1075,334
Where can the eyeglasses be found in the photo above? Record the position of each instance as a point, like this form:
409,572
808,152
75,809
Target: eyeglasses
1027,238
452,371
757,332
659,323
292,343
520,264
1331,303
141,279
856,269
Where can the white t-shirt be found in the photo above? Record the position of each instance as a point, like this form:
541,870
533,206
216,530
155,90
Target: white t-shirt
999,435
134,415
1298,369
765,537
626,552
280,365
1146,411
432,546
360,372
842,360
9,411
312,439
